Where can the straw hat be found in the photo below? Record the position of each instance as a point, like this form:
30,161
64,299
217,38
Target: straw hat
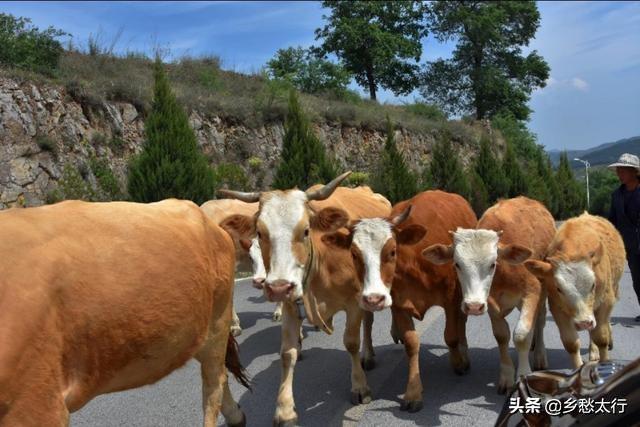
626,161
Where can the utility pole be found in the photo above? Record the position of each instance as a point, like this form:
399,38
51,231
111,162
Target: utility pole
586,170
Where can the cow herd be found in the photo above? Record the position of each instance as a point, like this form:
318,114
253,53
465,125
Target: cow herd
102,297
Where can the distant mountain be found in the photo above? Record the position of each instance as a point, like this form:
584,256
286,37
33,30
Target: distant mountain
600,155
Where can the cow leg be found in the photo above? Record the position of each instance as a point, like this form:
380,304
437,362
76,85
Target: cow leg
285,409
523,332
277,313
412,400
235,323
213,371
360,392
539,348
368,361
501,333
230,409
462,340
601,334
568,335
459,362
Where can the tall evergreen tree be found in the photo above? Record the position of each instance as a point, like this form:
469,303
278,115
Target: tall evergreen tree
571,200
170,164
489,169
392,176
516,179
303,161
445,172
479,198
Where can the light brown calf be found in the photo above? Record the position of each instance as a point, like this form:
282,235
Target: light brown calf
488,263
582,271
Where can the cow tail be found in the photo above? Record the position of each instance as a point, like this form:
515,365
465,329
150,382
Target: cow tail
232,362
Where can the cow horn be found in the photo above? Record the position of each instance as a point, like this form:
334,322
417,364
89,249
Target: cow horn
399,219
240,195
328,189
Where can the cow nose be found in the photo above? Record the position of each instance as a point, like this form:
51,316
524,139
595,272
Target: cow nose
278,290
585,325
258,282
474,308
373,299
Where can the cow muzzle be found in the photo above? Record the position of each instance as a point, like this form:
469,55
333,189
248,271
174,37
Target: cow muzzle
585,325
473,308
278,290
373,302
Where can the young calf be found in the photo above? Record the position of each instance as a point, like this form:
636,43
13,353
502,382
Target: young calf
582,271
488,263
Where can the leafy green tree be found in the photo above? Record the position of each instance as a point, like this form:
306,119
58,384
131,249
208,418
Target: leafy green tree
602,183
490,171
571,194
479,198
303,161
392,176
378,42
488,73
516,179
308,73
170,164
444,171
25,46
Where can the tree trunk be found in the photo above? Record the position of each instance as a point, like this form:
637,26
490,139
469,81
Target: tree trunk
372,83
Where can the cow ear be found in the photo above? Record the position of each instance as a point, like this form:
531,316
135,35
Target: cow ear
540,269
338,239
240,225
514,254
438,253
245,244
410,235
329,219
596,255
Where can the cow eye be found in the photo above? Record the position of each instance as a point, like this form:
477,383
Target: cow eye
559,290
593,286
393,253
306,232
492,266
457,265
259,235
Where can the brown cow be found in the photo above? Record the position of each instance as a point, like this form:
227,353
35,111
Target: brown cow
488,263
103,297
419,284
582,271
302,268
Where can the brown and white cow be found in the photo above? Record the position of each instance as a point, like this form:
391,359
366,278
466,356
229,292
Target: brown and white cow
103,297
582,271
419,284
303,269
488,262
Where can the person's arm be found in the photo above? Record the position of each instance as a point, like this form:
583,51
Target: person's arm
612,210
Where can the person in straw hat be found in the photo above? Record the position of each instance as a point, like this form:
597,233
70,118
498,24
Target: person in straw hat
624,213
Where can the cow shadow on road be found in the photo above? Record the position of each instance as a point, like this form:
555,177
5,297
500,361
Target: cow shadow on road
322,387
627,322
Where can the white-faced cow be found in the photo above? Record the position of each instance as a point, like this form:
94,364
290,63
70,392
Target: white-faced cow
103,297
488,262
418,284
303,269
582,271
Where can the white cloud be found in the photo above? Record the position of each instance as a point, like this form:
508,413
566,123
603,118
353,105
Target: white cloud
580,84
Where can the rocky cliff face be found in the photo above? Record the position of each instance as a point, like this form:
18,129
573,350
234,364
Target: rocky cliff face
43,131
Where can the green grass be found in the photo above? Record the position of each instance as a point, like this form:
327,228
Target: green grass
201,84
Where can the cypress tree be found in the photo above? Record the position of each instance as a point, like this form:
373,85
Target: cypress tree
392,177
303,161
445,172
479,198
571,197
170,164
516,180
491,173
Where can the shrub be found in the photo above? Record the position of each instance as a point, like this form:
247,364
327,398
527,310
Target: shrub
170,164
445,171
429,111
357,178
229,175
47,144
71,186
23,45
107,182
98,138
254,162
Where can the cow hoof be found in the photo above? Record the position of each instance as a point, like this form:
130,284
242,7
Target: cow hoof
287,423
242,422
411,406
277,317
503,388
361,397
236,330
462,371
368,364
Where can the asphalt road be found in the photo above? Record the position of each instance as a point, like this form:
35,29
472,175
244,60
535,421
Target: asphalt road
321,384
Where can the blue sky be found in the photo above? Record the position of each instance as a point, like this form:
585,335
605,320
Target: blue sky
593,48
